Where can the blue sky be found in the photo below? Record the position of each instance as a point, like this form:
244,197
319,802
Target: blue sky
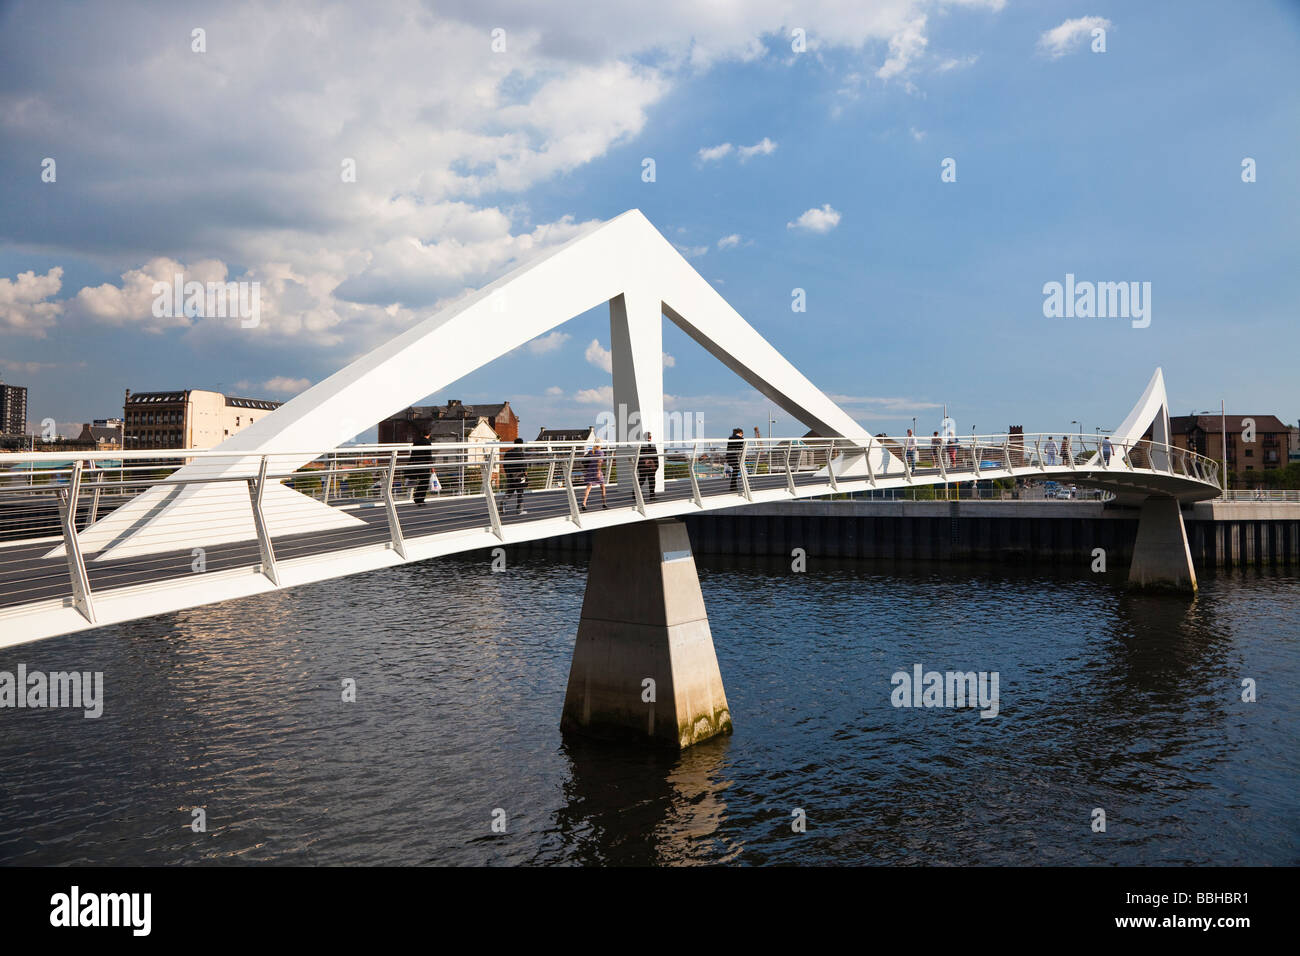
1115,166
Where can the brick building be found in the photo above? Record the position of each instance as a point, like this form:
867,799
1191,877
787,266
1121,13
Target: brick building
452,417
1204,434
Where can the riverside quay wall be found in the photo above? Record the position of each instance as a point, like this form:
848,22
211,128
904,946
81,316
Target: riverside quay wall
1220,534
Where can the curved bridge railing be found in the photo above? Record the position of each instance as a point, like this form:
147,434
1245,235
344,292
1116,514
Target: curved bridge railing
86,529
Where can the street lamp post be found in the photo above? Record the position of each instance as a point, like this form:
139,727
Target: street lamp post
770,422
1223,419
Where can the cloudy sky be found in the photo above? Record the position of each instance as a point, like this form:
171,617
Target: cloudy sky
482,131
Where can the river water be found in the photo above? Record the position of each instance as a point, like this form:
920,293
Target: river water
1131,704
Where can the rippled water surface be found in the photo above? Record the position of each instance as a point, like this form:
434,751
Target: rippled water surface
1124,702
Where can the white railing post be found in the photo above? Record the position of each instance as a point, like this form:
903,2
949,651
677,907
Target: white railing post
943,457
871,470
1038,453
94,501
695,479
81,598
744,472
1006,453
494,516
789,470
568,488
255,488
830,466
550,468
397,541
636,480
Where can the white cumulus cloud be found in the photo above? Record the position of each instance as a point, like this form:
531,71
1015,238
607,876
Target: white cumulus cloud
713,154
817,220
1063,39
602,395
436,125
599,356
544,344
278,385
904,47
764,147
23,301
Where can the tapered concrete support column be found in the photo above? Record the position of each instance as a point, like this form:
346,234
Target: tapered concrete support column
643,620
1161,557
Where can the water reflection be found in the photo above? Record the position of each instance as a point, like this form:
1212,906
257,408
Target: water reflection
628,808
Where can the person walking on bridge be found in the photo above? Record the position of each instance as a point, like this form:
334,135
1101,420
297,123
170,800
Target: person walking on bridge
421,462
909,449
516,469
647,465
593,468
735,448
1106,450
1050,451
1065,450
935,443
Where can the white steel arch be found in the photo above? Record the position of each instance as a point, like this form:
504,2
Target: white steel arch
624,262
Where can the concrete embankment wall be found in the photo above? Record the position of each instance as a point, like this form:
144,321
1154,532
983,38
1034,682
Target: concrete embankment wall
1220,534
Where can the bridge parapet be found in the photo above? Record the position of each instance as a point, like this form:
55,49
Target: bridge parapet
108,536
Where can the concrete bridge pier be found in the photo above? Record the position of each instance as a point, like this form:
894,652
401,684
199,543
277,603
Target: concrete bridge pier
644,669
1161,557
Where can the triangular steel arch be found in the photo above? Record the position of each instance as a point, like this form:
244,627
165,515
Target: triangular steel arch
624,262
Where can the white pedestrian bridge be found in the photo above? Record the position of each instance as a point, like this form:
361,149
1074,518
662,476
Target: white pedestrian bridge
102,538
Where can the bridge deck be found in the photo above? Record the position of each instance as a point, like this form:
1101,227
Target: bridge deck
27,576
42,592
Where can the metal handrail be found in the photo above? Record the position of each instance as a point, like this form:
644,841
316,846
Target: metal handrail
84,496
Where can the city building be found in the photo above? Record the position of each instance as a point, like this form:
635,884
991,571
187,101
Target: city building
13,409
1204,434
103,434
192,418
586,435
449,432
405,425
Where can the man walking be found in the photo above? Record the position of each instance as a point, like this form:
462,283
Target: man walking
421,462
647,465
735,448
516,477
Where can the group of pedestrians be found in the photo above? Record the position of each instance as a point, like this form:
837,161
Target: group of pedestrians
596,464
938,446
594,470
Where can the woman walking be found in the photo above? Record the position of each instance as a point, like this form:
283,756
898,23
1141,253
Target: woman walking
593,467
